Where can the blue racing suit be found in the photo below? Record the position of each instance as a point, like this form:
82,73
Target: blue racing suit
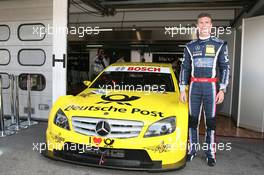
201,60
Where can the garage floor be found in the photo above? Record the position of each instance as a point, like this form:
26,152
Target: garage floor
227,127
17,157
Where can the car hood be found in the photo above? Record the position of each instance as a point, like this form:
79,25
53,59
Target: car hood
141,106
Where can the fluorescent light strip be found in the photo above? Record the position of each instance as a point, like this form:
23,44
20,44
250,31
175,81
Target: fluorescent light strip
105,30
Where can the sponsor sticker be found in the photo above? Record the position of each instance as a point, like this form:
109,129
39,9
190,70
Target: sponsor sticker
153,69
162,147
198,53
97,140
108,143
140,111
118,98
210,49
197,47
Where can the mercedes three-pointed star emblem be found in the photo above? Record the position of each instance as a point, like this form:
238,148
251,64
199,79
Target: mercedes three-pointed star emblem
102,128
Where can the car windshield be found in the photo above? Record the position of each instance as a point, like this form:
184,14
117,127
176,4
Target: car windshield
144,81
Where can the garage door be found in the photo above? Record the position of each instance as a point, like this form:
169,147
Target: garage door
24,50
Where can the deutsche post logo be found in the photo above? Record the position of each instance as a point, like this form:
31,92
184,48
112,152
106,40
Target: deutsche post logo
118,98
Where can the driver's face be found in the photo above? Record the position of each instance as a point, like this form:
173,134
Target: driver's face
204,25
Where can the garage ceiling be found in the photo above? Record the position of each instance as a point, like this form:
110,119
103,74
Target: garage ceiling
112,7
107,7
173,3
153,15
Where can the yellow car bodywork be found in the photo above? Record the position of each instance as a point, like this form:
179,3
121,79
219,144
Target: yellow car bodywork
164,152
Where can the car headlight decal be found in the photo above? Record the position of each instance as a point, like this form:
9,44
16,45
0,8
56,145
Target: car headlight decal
161,127
61,120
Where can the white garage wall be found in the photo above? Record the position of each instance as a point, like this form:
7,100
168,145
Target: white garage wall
251,102
59,69
25,10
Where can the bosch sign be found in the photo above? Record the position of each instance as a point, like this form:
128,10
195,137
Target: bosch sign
144,69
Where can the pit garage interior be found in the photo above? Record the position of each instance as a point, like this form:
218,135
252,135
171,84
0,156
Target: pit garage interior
135,31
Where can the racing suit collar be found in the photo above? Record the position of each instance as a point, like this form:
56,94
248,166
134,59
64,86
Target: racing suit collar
204,39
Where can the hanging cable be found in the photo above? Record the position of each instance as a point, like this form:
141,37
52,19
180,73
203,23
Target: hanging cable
122,22
77,5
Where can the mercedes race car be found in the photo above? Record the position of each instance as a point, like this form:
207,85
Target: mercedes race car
129,117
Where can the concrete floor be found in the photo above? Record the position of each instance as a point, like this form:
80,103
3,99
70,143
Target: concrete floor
17,157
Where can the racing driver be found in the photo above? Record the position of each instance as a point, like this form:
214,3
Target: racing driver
201,59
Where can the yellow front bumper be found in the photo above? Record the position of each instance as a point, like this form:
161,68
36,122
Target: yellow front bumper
154,153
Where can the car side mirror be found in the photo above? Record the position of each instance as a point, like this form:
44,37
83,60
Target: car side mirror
87,83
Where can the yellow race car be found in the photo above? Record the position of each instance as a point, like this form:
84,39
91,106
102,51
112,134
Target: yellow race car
129,117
